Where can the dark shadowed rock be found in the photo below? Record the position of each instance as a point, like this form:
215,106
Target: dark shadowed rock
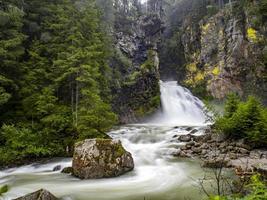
67,170
101,158
38,195
193,131
57,168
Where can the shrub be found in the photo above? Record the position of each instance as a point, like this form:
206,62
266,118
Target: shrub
246,120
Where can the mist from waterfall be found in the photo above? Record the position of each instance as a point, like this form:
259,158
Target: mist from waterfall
179,107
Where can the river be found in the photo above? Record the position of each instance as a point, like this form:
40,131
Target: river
158,175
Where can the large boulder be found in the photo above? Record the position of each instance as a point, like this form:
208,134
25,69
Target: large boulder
38,195
100,158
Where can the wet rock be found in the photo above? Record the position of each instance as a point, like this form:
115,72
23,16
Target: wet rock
184,138
38,195
175,136
67,170
57,168
193,131
101,158
188,129
216,163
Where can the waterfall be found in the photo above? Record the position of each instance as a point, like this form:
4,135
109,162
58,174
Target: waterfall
179,106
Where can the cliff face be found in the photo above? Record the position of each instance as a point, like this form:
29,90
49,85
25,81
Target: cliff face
136,67
224,52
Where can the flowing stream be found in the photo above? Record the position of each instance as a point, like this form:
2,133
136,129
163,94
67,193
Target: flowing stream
157,175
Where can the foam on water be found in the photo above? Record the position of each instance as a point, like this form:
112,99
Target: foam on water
179,107
157,174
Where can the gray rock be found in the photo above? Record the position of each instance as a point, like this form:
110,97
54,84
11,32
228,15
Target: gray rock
258,153
261,168
101,158
184,138
243,151
215,163
196,150
38,195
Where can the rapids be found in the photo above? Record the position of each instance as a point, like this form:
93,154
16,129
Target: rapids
157,175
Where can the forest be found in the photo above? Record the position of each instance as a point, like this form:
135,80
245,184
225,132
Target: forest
155,75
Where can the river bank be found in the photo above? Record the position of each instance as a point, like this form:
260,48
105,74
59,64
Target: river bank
216,151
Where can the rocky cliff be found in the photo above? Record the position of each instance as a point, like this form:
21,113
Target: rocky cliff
225,50
136,65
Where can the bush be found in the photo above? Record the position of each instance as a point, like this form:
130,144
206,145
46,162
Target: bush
256,190
246,120
24,143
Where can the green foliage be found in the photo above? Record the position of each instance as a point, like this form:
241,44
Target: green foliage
256,190
53,77
3,189
212,10
244,120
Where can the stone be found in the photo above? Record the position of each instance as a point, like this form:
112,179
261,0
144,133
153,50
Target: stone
38,195
193,131
67,170
242,145
57,168
215,163
243,151
183,148
101,158
201,138
258,153
261,168
196,150
191,143
184,138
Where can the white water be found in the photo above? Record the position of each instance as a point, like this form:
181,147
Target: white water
179,106
157,174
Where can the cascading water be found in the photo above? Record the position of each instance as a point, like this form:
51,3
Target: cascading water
157,174
179,106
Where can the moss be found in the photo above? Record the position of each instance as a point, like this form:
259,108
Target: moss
252,34
192,67
117,148
3,189
216,71
205,27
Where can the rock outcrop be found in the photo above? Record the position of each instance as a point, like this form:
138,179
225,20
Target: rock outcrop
224,52
101,158
216,151
135,65
38,195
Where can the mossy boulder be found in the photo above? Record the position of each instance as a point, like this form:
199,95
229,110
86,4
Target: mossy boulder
101,158
38,195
